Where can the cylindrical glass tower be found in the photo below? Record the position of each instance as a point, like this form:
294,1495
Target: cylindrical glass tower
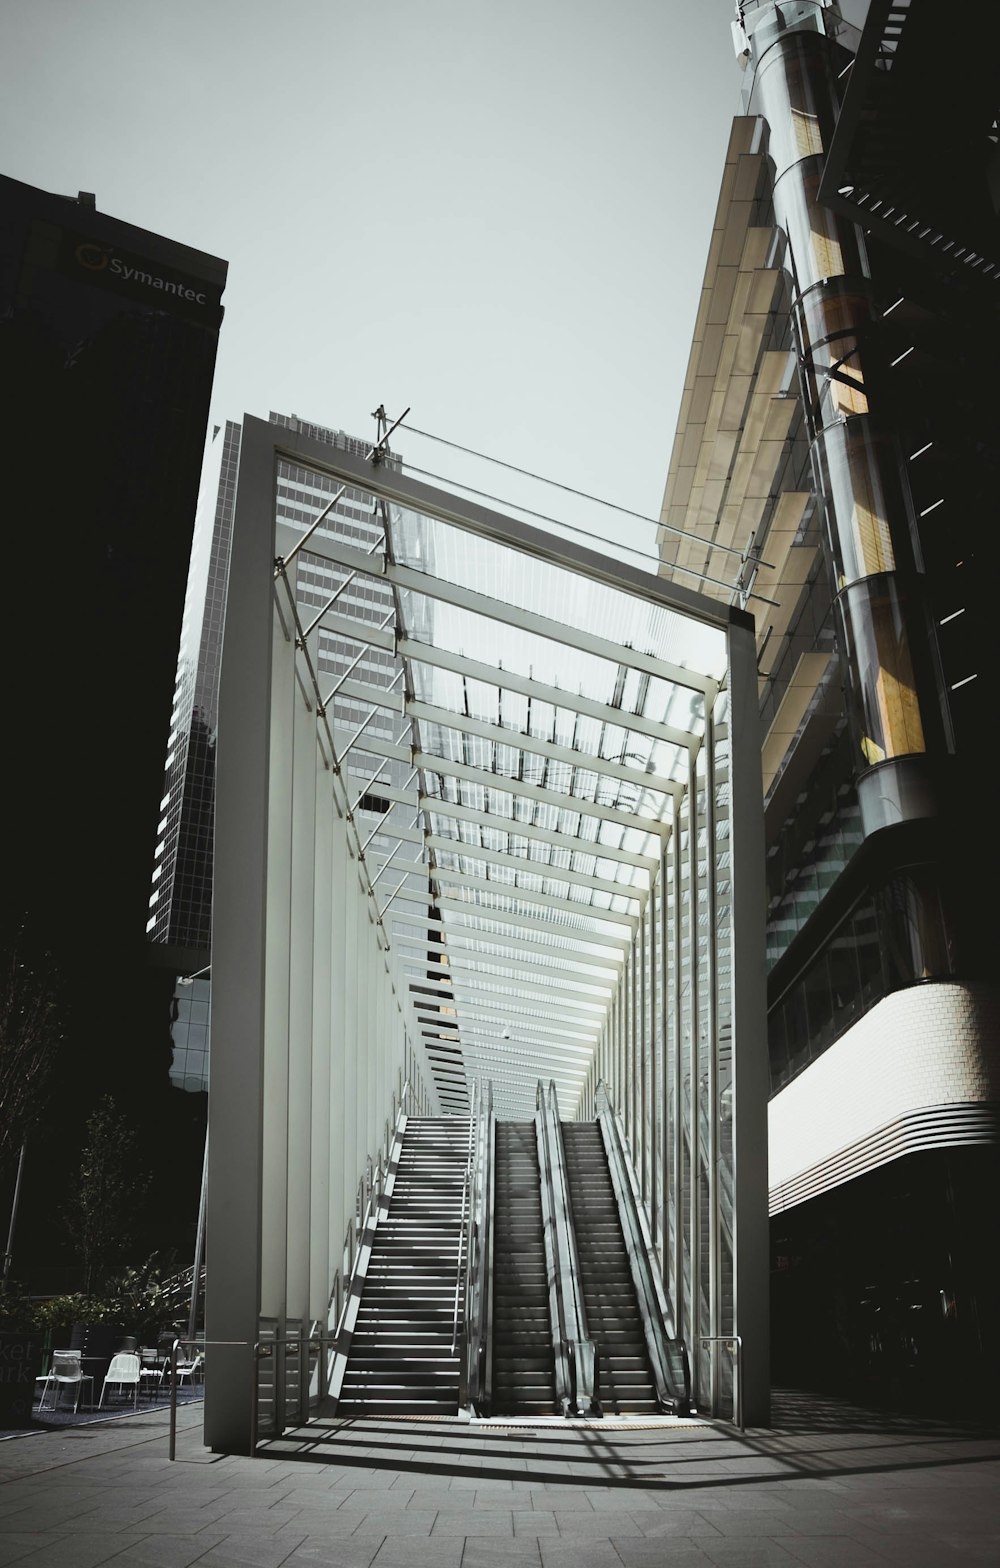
898,721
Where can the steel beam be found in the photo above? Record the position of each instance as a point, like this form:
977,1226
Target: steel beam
414,581
538,691
512,944
548,797
463,906
529,830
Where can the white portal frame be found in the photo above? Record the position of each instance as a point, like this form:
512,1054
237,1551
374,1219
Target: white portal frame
317,1013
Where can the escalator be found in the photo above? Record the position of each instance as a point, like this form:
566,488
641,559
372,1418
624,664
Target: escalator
624,1379
508,1270
523,1357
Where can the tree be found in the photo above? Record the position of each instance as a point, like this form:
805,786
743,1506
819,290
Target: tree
30,1034
109,1193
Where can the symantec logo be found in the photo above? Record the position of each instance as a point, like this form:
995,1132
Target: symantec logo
95,258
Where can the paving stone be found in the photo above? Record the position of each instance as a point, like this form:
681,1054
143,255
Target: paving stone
77,1550
486,1550
578,1554
250,1551
747,1552
336,1525
681,1522
13,1547
679,1552
597,1527
163,1551
404,1522
834,1551
528,1522
334,1554
462,1522
445,1553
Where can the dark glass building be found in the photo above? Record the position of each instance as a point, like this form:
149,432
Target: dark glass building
178,923
837,459
108,338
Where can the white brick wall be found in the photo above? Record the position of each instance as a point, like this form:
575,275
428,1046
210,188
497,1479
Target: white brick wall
916,1053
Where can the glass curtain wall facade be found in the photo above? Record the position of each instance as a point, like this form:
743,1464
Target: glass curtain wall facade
836,338
180,899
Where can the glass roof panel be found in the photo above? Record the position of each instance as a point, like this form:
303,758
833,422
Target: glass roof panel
499,571
515,790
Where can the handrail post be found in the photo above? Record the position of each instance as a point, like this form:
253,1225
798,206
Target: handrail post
172,1449
734,1344
254,1397
477,1372
466,1221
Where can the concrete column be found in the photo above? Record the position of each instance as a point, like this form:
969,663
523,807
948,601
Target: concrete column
236,1102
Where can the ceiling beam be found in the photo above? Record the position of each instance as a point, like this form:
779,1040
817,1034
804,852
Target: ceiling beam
462,598
538,691
548,797
459,934
529,830
448,978
575,934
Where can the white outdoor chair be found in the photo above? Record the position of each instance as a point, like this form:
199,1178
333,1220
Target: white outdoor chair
124,1372
66,1371
189,1370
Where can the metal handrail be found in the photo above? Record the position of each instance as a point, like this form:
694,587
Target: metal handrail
357,1248
261,1351
460,1254
572,1345
668,1358
580,1347
733,1343
475,1371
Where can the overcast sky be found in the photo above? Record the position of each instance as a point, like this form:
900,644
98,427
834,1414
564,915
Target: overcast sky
497,213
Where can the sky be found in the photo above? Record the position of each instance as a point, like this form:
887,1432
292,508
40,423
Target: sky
497,214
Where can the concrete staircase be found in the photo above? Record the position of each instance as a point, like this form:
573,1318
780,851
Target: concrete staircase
400,1360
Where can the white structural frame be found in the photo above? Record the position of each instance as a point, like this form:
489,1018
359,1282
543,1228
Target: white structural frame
638,961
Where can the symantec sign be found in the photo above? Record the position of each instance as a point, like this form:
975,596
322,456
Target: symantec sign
141,279
96,259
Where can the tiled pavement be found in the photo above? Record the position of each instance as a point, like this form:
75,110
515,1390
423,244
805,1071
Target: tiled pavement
828,1486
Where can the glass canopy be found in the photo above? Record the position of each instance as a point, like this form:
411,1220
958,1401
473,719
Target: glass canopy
518,720
488,807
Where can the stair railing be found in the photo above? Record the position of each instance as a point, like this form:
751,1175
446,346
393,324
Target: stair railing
667,1356
375,1183
461,1251
575,1360
476,1384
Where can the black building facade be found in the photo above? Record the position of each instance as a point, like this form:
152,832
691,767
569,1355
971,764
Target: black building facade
108,338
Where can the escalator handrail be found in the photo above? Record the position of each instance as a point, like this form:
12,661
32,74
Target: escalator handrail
667,1355
574,1351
